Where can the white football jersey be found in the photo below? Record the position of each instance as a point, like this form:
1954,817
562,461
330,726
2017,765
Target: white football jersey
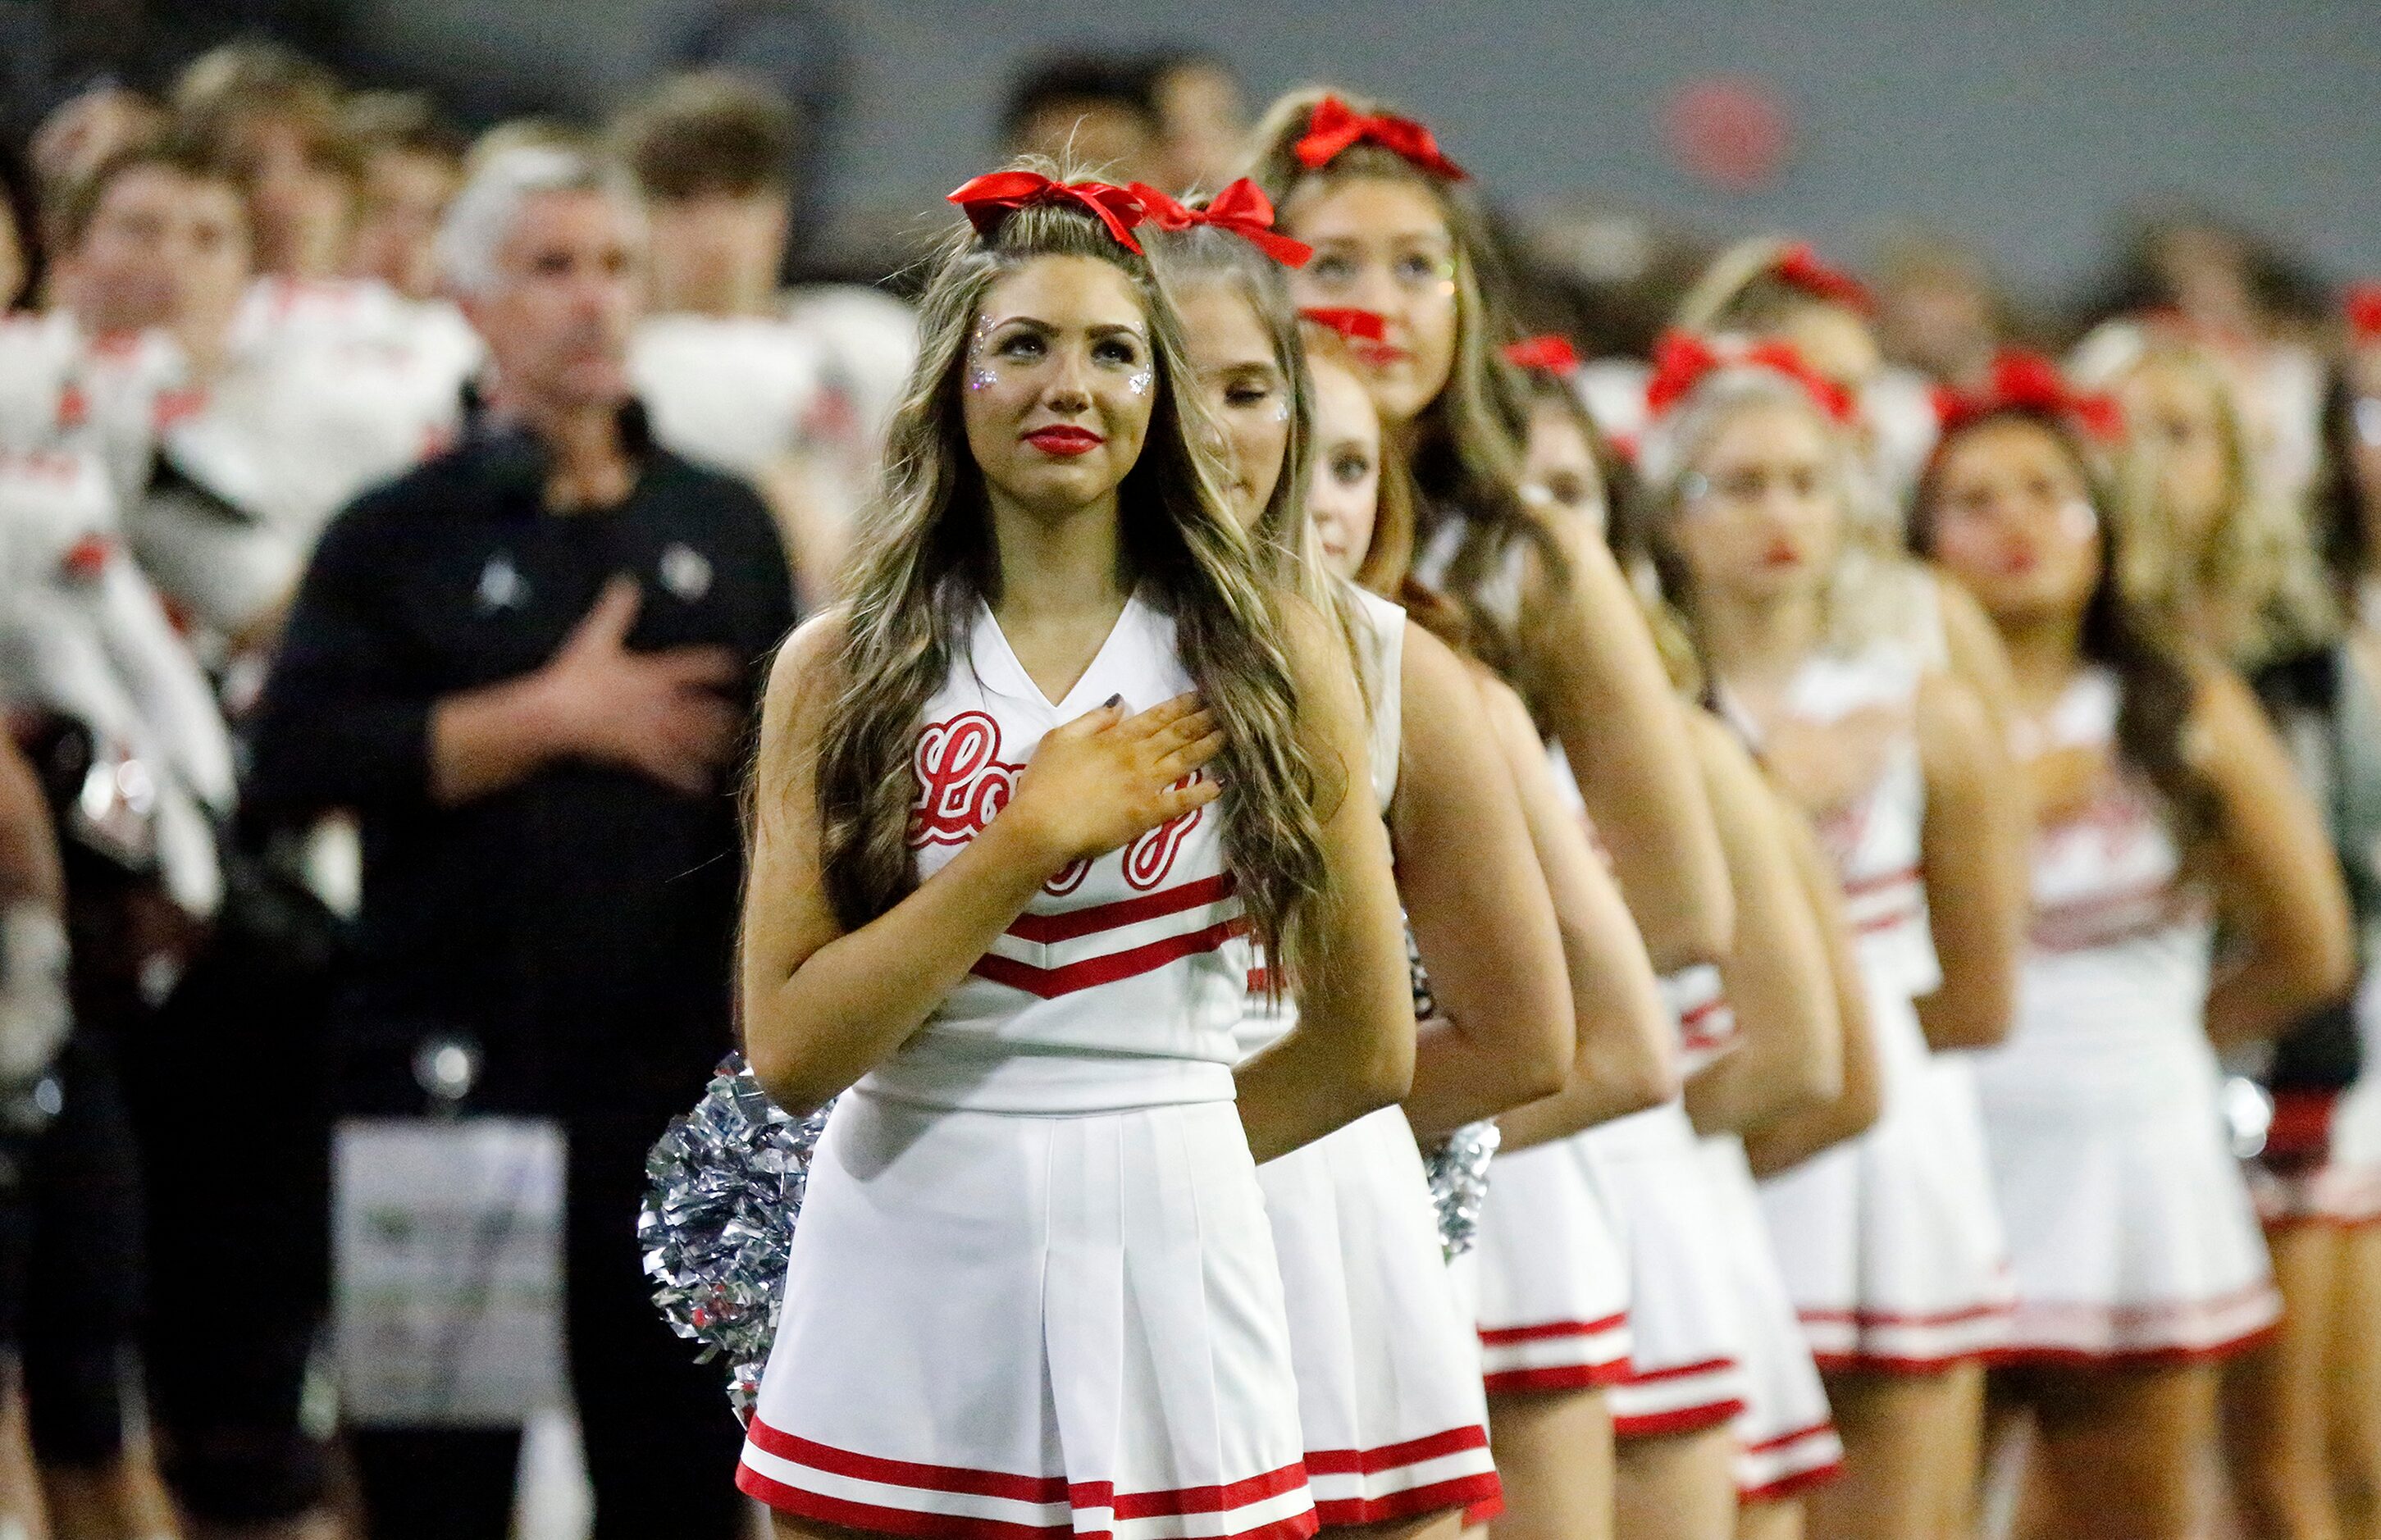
306,416
738,394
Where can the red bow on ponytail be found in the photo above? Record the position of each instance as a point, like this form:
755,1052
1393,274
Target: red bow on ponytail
1549,354
1682,360
1799,267
2024,382
1241,208
2363,310
1354,324
990,199
1336,127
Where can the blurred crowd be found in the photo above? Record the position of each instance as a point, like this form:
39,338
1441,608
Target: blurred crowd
232,311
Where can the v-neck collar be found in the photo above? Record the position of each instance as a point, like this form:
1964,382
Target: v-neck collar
996,663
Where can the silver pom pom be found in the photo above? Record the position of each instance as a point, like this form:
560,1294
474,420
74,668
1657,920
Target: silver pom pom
1458,1165
1458,1183
723,1189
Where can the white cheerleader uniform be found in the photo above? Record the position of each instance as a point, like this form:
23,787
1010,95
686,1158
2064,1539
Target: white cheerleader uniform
1388,1381
2132,1235
1546,1275
1548,1279
1687,1329
1034,1288
1786,1436
1633,1190
1890,1243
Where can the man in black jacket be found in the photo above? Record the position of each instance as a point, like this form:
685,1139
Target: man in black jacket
529,668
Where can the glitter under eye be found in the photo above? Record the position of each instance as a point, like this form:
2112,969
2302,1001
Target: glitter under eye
1139,384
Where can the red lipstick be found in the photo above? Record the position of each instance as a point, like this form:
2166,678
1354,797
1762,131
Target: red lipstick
1378,355
1782,553
1064,438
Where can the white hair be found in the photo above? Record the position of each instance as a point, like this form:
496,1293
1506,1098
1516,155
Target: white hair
483,214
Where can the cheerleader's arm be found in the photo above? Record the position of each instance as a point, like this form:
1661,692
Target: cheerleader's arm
1352,1051
2279,880
1622,1060
1787,1142
1591,669
1791,1055
819,1005
1973,852
1978,657
1481,917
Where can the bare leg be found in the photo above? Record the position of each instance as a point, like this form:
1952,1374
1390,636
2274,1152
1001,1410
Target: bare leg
2274,1397
1554,1455
1911,1445
1776,1518
20,1485
124,1499
2354,1393
1680,1487
1445,1524
2118,1453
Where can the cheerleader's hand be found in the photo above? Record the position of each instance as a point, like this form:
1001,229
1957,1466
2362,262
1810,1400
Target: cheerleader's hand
1105,777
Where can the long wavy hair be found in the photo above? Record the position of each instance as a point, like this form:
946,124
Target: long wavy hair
1465,449
2255,576
926,557
2159,687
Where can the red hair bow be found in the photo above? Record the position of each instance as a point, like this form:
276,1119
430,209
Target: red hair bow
1682,360
990,199
1354,324
1550,354
1336,127
2027,382
1241,208
1800,267
2363,308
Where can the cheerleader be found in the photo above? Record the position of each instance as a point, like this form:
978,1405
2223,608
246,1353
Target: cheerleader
2227,566
1776,290
1889,1244
1012,922
2164,801
1546,1280
1785,1063
1389,1392
2212,551
1768,1050
1782,289
1567,468
1395,233
2347,1189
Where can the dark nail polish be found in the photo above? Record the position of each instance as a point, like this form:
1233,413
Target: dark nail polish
1116,699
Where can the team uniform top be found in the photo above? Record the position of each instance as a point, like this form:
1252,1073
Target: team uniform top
2130,1225
1875,841
1121,984
2118,952
1060,1136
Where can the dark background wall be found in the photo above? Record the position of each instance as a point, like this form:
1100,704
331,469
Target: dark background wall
2025,126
